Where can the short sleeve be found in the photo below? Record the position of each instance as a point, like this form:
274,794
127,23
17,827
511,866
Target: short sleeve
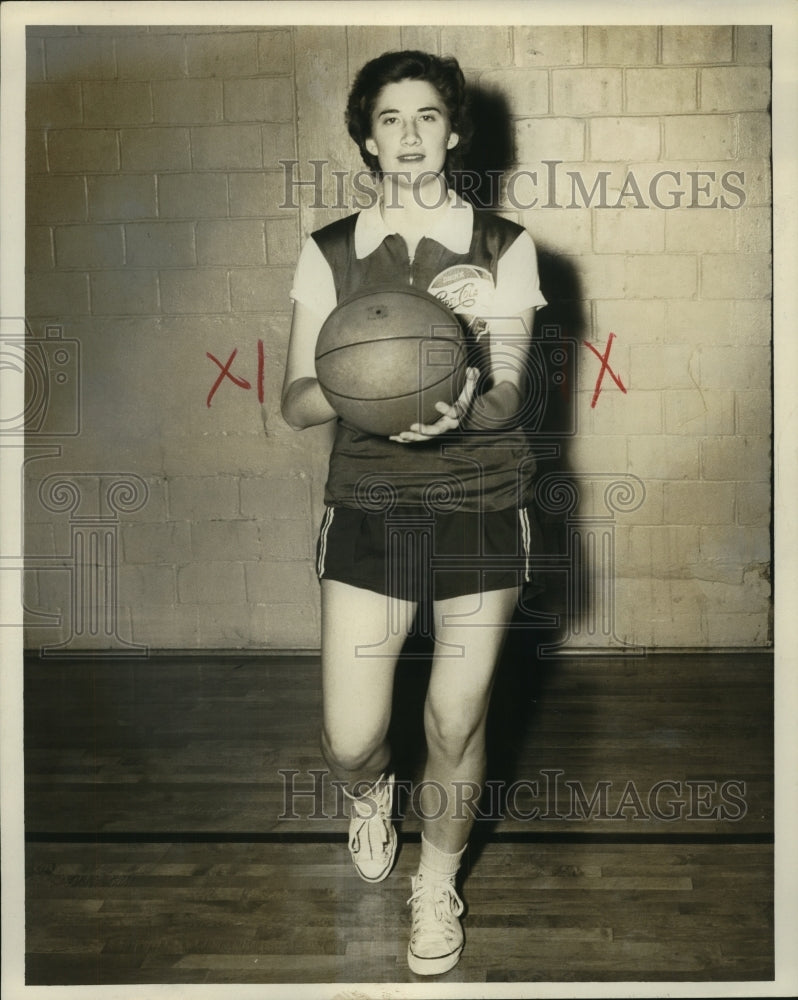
314,285
517,279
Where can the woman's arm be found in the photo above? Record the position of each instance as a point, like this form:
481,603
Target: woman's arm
303,403
502,404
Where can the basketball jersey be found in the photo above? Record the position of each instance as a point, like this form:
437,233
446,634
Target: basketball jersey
473,470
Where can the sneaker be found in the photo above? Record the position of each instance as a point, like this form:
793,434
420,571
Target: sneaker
436,936
372,838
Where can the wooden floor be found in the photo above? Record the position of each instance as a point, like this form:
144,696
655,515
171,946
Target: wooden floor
161,847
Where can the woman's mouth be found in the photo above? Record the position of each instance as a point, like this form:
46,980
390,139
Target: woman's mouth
410,157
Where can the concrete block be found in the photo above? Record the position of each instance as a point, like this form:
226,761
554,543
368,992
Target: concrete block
661,276
752,44
293,626
560,232
424,38
661,551
264,99
88,246
53,105
637,321
270,499
625,138
700,136
117,103
211,583
690,229
148,57
36,152
600,275
753,230
226,147
187,102
662,366
754,134
39,253
222,55
273,582
539,139
526,90
162,627
735,88
636,412
752,596
54,294
225,541
295,539
598,454
84,57
631,230
737,544
661,91
364,42
736,459
696,43
146,583
74,151
746,367
160,244
738,629
753,503
736,276
487,45
202,498
156,543
229,626
669,457
261,289
55,199
121,197
597,91
696,412
753,413
122,293
192,196
194,291
34,59
622,45
260,194
549,46
699,503
231,242
280,143
151,149
695,322
275,52
282,241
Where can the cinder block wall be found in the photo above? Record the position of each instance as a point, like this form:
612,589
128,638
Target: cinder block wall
158,239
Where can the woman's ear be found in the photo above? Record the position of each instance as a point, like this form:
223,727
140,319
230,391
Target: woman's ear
452,141
371,146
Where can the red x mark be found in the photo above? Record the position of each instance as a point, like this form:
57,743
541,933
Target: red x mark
603,358
240,382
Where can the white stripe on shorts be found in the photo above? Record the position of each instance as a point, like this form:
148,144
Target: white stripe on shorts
526,535
326,524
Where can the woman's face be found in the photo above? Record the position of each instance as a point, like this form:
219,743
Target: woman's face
410,130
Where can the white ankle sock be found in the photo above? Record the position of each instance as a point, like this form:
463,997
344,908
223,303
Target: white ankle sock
436,864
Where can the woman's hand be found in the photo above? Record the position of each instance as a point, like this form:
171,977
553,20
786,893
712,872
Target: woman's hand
451,414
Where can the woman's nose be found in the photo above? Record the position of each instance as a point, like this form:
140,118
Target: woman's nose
411,133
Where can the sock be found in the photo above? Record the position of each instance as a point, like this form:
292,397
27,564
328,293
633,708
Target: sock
436,865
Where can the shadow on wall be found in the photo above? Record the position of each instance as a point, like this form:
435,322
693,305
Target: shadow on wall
543,617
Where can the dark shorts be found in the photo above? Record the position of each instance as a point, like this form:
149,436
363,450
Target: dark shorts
414,555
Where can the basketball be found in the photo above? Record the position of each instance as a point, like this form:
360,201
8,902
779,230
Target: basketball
385,356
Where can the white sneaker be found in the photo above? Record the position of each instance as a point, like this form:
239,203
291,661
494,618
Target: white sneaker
372,837
436,936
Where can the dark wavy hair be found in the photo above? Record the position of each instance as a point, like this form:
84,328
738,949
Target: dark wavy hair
443,73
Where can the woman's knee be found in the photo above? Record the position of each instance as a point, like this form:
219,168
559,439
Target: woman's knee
451,734
345,753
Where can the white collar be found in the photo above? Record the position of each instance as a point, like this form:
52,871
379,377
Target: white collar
452,228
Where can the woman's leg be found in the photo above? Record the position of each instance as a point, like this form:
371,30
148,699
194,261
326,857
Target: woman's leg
455,715
362,636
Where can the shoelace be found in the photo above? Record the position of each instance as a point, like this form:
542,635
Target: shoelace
375,809
445,902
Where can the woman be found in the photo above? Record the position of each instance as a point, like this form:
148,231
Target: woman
469,471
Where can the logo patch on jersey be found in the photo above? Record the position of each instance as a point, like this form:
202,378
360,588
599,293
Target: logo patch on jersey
464,288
